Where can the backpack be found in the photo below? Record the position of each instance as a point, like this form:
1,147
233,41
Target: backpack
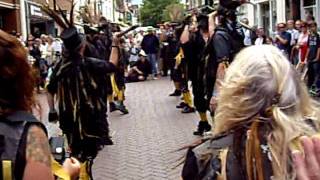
13,140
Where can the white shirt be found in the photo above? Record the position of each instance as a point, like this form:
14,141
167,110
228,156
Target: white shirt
134,54
259,41
247,37
43,50
139,38
294,36
57,46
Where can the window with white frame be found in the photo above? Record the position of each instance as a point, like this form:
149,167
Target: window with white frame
309,7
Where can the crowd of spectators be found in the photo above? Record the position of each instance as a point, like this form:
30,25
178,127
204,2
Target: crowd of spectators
299,41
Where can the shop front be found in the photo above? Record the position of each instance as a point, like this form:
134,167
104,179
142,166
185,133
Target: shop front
39,22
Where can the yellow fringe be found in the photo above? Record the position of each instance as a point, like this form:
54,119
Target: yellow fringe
115,88
187,98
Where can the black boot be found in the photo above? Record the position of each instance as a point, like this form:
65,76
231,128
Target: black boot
181,105
112,106
187,109
203,126
176,93
121,107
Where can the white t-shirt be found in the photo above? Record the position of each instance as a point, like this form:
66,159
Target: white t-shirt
247,37
259,41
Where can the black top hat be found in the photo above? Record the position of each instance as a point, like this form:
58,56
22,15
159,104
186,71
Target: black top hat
231,4
90,29
71,38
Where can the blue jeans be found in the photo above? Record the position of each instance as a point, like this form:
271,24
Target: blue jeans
152,58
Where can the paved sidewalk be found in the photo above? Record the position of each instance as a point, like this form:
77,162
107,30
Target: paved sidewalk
146,138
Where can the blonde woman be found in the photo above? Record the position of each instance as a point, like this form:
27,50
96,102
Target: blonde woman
263,110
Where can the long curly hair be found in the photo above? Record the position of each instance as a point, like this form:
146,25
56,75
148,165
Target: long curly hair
259,76
16,78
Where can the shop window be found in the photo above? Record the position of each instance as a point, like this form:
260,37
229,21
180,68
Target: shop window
309,2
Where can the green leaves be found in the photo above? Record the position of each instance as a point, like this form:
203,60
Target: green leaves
153,11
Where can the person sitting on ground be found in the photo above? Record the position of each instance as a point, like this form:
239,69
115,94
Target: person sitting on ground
263,109
141,69
23,140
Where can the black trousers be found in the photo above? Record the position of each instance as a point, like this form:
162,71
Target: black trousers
203,82
313,73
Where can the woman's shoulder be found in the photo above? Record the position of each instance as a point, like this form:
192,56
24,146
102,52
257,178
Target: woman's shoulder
204,161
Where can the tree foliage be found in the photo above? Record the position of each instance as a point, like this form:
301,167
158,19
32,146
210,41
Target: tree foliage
174,12
152,11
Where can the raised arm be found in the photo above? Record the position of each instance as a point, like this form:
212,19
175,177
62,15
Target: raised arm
185,35
212,22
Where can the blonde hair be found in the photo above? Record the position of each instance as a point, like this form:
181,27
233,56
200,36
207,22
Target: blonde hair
258,76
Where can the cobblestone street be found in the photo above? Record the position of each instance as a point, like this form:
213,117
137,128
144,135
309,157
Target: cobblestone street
145,139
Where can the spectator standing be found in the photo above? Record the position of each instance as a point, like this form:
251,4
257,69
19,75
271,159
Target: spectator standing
312,56
57,48
150,45
133,53
43,45
298,25
283,39
302,46
247,33
139,37
269,41
294,39
41,62
261,37
310,18
294,33
49,51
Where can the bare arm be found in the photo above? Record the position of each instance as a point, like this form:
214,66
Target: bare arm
114,57
318,54
38,165
137,70
307,55
283,41
185,35
212,23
